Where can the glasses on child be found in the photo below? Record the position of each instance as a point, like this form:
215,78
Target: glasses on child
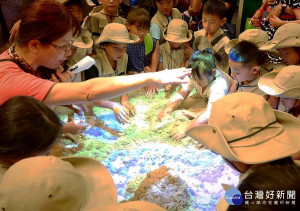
63,48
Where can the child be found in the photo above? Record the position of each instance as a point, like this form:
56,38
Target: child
96,22
287,41
244,60
70,183
172,52
209,82
81,46
213,17
28,128
257,37
285,85
112,61
248,133
165,13
142,55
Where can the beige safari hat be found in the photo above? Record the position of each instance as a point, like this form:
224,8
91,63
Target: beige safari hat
286,36
201,42
82,42
177,31
243,127
49,183
255,36
116,33
86,6
285,83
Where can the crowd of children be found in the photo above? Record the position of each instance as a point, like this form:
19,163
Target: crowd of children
237,78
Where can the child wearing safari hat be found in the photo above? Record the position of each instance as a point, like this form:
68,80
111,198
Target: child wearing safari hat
285,85
165,13
259,38
246,131
142,55
244,61
213,17
209,82
287,41
96,21
71,183
172,52
111,60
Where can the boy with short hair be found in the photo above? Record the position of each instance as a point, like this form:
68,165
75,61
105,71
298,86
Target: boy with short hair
244,61
213,17
142,55
96,22
165,13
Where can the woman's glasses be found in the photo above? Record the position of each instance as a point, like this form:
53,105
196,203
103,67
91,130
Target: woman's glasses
64,48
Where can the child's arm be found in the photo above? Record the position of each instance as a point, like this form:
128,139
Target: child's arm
233,87
151,90
121,113
125,102
273,101
176,101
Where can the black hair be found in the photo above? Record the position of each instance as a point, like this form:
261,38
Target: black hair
27,127
139,17
202,62
246,53
215,7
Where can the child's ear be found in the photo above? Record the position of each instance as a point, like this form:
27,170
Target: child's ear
214,73
255,70
223,21
127,25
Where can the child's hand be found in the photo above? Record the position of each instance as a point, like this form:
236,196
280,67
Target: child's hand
121,113
63,76
73,128
188,51
131,108
178,132
150,91
165,112
147,69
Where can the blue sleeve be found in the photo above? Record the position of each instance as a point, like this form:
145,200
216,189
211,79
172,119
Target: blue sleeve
155,31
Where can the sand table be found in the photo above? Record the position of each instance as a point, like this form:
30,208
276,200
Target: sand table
146,164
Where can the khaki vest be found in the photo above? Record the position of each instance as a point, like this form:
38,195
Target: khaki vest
171,59
162,21
104,67
96,22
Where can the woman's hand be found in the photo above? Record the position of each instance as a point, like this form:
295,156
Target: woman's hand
60,76
275,21
173,76
255,20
